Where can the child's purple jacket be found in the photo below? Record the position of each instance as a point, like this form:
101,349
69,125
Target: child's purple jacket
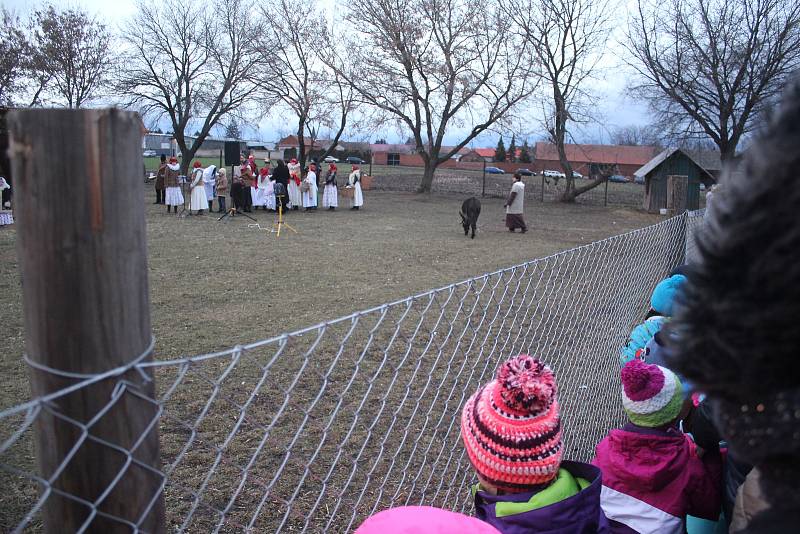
579,514
653,478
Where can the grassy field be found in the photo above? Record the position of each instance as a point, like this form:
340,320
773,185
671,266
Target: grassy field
255,286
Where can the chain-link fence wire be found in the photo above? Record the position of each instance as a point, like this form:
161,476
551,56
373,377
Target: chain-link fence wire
694,221
317,429
468,182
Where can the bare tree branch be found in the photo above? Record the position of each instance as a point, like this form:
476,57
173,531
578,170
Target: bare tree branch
433,64
568,38
192,63
709,68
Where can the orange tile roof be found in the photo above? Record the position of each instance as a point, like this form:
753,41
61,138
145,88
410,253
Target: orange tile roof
619,154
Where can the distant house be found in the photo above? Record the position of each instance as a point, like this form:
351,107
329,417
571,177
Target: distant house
165,144
672,162
395,154
624,160
292,142
479,154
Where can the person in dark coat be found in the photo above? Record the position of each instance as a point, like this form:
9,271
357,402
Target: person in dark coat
281,176
161,174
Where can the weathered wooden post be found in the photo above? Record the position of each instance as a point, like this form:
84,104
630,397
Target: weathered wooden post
83,262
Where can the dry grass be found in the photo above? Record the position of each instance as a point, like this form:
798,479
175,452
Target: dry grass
336,383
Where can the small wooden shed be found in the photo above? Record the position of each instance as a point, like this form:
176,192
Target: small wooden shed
672,162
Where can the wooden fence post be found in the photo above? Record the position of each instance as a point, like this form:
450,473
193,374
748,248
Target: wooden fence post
83,262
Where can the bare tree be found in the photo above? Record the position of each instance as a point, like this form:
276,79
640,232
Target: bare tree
291,37
13,51
71,53
568,38
708,68
434,66
633,135
193,63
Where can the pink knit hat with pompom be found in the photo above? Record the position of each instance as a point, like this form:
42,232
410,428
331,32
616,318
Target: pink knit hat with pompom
511,427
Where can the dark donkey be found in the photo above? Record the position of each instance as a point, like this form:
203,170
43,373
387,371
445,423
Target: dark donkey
470,210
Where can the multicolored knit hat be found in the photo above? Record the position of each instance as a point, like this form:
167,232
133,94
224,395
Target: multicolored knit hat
511,427
651,395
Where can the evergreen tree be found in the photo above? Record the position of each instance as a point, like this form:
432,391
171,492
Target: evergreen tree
525,153
500,151
512,149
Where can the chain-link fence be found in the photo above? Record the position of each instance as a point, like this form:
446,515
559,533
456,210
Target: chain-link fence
317,429
694,221
537,188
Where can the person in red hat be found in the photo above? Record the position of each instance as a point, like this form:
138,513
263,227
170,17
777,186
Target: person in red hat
259,189
330,195
198,201
293,189
172,194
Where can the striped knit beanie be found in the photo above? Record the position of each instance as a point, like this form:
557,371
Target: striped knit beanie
511,427
651,395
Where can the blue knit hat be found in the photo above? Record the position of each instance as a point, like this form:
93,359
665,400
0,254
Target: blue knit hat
639,337
664,294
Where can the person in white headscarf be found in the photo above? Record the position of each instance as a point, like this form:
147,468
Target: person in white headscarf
209,180
198,201
354,182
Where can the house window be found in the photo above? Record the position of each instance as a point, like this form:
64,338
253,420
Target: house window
393,158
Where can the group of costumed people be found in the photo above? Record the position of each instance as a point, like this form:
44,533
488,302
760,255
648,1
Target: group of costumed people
284,187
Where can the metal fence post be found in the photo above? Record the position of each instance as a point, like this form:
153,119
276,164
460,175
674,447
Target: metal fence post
605,197
83,262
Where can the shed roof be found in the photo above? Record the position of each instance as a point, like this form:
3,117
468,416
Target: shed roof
647,168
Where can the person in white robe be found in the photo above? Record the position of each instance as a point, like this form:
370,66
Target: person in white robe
173,196
293,188
259,189
270,194
330,194
209,183
354,182
310,189
198,201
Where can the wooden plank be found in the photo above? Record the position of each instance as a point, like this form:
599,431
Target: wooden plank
677,194
83,263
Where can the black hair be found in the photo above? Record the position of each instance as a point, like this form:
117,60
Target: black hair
735,334
163,158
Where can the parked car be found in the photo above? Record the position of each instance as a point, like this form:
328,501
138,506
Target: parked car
640,180
352,160
554,174
331,159
494,170
618,178
149,154
526,172
576,174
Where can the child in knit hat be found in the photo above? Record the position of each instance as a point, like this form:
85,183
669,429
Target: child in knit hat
511,429
653,475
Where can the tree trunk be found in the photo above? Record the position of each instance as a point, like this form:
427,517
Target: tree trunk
427,177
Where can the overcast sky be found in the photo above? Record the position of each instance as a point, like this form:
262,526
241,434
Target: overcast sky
613,106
